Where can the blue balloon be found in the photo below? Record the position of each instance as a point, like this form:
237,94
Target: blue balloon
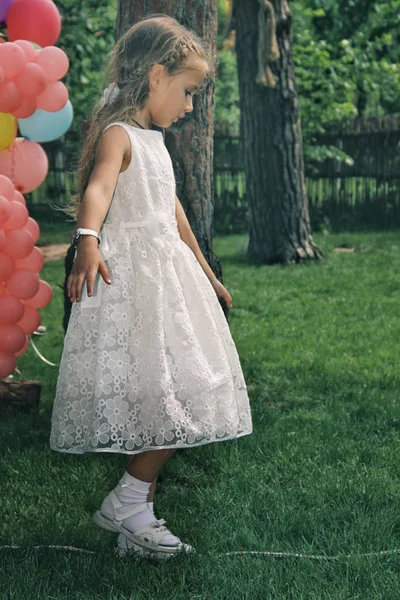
45,126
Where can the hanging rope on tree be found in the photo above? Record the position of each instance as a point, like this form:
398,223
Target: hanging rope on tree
268,50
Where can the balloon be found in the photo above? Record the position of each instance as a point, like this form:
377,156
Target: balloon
18,218
12,338
24,347
30,164
18,197
7,363
6,188
23,284
4,6
2,239
45,126
8,130
54,97
2,290
34,261
18,244
33,228
5,210
34,20
27,48
1,75
53,61
11,96
27,108
31,80
30,321
12,59
43,296
7,266
11,310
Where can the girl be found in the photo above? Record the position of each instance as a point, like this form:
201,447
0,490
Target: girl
148,364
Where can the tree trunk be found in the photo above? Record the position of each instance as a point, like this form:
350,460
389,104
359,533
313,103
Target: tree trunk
279,224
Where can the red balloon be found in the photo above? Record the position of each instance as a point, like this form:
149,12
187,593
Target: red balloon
27,49
11,96
2,290
7,266
35,20
5,210
23,284
8,363
31,80
24,347
12,338
30,164
33,228
18,197
27,108
2,238
19,243
34,261
18,218
43,296
30,321
12,59
11,310
54,97
6,188
53,61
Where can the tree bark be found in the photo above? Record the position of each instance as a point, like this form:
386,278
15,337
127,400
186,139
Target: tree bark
279,224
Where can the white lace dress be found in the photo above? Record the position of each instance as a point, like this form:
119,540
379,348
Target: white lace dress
148,361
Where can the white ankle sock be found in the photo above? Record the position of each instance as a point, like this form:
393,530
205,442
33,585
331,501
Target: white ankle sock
131,491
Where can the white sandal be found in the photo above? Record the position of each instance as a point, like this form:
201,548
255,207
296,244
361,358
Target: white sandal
126,547
146,539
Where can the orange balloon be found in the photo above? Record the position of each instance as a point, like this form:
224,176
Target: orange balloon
43,297
33,228
11,310
5,210
19,243
18,197
2,238
18,218
27,108
7,266
12,338
24,347
53,61
11,96
27,49
23,284
31,319
54,97
12,59
8,363
34,261
28,163
31,80
6,187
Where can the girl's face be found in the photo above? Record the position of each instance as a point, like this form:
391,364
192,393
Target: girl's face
170,96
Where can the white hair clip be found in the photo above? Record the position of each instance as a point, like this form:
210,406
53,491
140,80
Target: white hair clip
110,94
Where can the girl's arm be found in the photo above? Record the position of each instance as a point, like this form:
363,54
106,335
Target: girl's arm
112,157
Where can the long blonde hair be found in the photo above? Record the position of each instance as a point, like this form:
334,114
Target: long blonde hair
157,39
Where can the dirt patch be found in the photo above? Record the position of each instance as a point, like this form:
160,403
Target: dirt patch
54,251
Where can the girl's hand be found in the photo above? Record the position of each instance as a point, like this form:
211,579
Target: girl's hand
87,264
222,292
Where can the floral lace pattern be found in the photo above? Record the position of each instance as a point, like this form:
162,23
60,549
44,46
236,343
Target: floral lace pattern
148,361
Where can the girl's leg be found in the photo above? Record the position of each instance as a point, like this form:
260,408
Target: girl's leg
147,465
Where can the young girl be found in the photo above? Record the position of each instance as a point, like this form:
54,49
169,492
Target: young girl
149,365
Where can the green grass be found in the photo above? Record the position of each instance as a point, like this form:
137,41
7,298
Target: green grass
320,349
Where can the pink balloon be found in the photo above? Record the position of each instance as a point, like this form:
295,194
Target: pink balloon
30,164
43,296
2,76
30,321
11,96
18,218
27,49
6,188
7,266
35,20
18,197
24,347
12,59
54,97
34,261
23,284
8,363
11,310
12,338
2,238
31,80
27,108
33,228
53,61
5,210
18,244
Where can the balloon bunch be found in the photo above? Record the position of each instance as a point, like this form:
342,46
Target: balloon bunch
22,292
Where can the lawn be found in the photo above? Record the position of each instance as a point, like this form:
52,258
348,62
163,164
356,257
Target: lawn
320,349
